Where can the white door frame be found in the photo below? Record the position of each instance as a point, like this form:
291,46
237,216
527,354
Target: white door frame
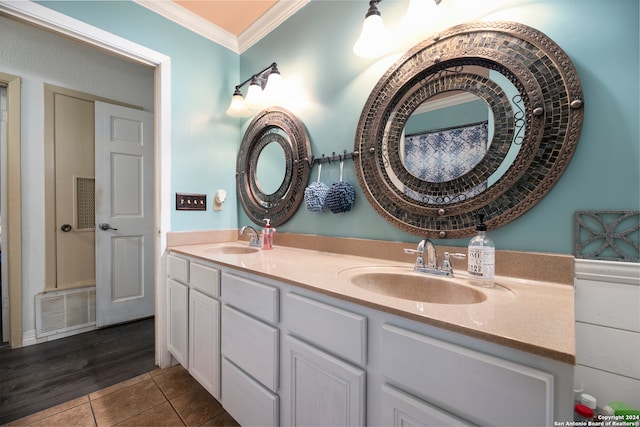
59,23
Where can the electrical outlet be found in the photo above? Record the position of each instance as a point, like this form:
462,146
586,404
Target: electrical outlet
191,202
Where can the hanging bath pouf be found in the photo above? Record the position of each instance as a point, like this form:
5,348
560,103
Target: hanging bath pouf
341,195
315,194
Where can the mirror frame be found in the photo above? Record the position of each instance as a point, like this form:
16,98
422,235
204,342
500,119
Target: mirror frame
549,89
280,206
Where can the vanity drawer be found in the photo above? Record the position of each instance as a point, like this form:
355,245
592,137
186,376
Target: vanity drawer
447,375
252,345
248,402
178,268
338,331
252,297
205,279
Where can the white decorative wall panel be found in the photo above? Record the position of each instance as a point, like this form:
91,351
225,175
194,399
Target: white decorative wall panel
608,330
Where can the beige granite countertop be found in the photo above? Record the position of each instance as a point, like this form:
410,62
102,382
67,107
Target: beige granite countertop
532,316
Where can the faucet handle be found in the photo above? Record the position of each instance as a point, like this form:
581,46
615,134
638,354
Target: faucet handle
446,263
418,250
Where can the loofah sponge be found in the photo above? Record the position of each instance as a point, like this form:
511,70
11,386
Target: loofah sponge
341,195
315,194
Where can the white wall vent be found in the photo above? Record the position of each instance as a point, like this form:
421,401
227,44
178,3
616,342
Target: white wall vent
60,312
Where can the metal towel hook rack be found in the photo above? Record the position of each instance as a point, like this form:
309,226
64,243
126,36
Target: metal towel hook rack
334,156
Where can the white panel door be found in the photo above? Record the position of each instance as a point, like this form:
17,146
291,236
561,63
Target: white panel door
124,214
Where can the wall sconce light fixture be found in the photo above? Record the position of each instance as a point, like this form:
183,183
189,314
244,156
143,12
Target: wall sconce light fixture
265,89
373,36
373,40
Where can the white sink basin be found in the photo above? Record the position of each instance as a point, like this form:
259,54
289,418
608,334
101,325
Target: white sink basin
404,283
232,250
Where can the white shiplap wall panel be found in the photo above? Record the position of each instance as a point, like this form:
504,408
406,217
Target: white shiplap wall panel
608,349
608,330
606,303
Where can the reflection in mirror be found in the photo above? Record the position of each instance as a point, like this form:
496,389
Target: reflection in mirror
448,135
436,154
436,149
517,105
271,167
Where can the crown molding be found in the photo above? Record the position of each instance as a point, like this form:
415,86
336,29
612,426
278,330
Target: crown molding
277,14
192,22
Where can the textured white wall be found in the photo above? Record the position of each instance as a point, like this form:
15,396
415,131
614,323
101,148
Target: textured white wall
40,57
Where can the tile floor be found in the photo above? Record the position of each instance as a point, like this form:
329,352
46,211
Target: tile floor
163,397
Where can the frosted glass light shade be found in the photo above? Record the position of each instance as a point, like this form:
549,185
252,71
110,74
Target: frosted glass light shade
255,96
274,90
419,20
372,41
238,108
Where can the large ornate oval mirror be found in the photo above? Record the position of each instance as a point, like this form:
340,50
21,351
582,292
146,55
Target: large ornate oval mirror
273,166
481,119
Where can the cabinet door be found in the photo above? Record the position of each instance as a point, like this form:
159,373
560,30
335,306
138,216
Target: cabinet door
399,409
204,341
325,391
178,322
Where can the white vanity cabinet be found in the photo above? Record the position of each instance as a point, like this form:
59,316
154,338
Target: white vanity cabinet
439,383
324,354
292,356
193,290
250,350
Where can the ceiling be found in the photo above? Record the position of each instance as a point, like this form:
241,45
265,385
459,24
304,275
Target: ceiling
235,24
234,16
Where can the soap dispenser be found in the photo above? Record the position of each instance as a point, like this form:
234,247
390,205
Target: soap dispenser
481,256
267,235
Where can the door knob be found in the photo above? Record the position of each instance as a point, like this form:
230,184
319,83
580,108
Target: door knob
65,227
106,227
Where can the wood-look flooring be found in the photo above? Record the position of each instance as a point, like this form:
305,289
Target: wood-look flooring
44,375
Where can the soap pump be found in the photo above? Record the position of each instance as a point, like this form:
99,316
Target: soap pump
481,256
267,235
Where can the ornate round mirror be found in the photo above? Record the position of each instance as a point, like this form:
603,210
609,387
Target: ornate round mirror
481,119
273,166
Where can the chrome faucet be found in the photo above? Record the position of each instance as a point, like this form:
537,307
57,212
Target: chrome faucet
431,264
254,240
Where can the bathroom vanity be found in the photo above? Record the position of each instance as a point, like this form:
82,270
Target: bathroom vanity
296,337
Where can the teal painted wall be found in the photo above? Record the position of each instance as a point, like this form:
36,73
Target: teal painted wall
313,50
204,141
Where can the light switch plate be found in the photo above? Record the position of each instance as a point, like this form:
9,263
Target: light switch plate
191,202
